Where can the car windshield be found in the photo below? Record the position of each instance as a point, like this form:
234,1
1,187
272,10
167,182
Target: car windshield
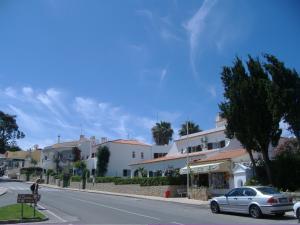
268,190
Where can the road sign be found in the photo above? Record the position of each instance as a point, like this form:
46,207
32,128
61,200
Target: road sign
28,198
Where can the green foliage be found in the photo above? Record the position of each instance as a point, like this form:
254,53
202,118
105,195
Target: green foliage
106,179
162,133
50,172
191,126
9,132
103,155
58,176
252,182
285,98
31,170
152,181
248,110
76,178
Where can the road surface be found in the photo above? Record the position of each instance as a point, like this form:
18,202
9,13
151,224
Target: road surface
64,206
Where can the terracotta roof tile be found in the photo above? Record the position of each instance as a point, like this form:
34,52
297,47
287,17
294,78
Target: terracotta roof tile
129,142
226,154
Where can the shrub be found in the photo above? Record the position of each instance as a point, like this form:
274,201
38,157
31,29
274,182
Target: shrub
76,178
106,179
152,181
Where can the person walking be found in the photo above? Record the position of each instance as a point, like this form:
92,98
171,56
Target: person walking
35,190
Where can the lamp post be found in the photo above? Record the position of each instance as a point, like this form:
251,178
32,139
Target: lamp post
187,162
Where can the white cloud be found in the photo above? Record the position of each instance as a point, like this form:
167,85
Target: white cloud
285,132
146,13
42,120
195,27
10,92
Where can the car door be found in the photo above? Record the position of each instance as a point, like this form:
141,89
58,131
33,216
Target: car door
243,201
232,200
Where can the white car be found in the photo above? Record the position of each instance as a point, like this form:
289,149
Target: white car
297,210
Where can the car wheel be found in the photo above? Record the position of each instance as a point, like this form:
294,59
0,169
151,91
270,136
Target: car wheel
280,214
298,214
214,207
254,211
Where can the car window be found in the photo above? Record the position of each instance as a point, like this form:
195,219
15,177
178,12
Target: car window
268,190
248,192
235,192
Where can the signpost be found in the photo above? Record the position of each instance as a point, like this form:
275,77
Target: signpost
28,198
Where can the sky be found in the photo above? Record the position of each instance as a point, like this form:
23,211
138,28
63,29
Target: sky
115,68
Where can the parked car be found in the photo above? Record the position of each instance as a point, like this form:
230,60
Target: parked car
297,210
253,200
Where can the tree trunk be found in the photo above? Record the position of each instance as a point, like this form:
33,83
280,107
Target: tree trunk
267,166
253,163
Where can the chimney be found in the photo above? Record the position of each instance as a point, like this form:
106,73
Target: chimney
58,139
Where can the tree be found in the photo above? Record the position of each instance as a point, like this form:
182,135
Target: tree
9,132
103,155
162,133
285,99
247,108
81,165
56,159
192,128
76,154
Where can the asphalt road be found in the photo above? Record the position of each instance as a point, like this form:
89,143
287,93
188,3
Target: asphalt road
63,206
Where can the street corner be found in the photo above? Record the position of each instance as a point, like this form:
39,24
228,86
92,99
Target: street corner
3,191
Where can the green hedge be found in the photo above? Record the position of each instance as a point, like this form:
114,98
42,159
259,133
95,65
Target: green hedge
106,179
143,181
31,170
76,178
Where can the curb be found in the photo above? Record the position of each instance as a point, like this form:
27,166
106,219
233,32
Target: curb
23,221
3,192
205,206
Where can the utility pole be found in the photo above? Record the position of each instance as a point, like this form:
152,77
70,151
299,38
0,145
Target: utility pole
187,161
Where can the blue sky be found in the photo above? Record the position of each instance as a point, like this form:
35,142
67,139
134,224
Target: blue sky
114,68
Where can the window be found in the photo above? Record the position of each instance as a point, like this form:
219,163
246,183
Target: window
268,190
249,192
235,192
133,155
222,144
126,173
93,155
158,155
46,157
142,155
210,146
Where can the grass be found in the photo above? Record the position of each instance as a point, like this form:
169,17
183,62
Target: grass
13,212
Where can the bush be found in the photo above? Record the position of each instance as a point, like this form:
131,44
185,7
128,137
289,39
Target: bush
76,178
152,181
58,176
31,170
106,179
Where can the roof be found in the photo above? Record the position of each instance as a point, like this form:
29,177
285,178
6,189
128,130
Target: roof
170,157
24,154
128,142
64,144
224,155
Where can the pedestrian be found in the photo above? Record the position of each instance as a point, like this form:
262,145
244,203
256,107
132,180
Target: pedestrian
35,189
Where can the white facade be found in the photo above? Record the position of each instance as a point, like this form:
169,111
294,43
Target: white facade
123,153
64,149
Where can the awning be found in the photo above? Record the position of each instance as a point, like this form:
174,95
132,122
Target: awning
205,168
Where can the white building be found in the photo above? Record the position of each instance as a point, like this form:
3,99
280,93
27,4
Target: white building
64,150
123,153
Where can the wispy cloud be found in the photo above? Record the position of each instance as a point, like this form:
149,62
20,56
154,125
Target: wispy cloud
44,118
212,91
163,74
195,27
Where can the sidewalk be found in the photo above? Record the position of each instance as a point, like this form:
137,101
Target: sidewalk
3,191
202,204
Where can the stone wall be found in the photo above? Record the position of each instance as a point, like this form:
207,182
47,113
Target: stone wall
135,189
200,193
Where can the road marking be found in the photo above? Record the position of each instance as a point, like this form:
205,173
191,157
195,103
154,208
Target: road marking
178,223
52,213
121,210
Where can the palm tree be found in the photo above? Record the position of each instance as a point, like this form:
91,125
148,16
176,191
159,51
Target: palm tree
162,133
192,128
